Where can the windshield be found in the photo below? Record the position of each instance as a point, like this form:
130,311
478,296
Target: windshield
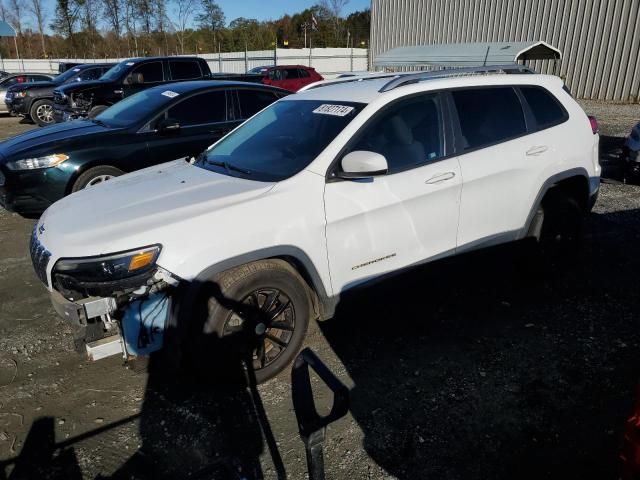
67,75
114,72
281,140
262,70
135,108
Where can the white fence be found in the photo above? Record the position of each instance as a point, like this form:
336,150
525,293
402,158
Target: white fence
327,61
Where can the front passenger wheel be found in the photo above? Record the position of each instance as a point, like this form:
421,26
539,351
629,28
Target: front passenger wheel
95,176
42,112
260,310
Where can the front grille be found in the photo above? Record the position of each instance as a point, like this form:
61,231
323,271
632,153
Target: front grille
39,256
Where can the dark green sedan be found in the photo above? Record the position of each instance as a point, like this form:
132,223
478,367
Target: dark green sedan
157,125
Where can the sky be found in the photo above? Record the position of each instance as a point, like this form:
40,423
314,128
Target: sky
258,9
272,9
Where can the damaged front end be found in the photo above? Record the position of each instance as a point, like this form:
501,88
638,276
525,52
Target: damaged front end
117,303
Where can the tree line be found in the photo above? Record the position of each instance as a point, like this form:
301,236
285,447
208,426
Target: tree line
132,28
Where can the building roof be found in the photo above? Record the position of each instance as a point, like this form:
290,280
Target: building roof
467,54
6,30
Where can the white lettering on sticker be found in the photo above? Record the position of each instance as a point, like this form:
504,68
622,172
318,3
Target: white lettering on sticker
336,110
130,63
76,69
170,94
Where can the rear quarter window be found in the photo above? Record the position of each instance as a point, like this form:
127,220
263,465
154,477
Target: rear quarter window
488,116
184,70
546,110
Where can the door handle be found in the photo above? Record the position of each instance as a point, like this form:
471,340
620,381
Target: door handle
537,150
118,92
440,177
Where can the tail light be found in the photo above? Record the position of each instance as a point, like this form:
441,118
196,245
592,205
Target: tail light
595,128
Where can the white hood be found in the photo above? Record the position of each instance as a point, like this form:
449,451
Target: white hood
142,208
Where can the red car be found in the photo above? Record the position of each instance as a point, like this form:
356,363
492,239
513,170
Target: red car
289,77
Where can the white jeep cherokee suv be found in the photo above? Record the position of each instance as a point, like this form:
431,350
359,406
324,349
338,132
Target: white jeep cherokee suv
321,191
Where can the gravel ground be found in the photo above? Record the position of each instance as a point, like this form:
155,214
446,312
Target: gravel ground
486,366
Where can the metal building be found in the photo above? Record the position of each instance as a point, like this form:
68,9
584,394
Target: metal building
599,39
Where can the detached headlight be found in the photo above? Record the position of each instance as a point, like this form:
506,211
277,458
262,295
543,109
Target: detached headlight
109,268
38,162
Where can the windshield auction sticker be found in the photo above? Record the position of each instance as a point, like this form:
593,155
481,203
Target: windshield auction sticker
336,110
170,94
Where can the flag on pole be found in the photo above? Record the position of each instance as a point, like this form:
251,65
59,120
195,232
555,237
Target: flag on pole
314,23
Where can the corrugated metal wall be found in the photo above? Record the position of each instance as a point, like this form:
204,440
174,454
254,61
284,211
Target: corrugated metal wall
599,39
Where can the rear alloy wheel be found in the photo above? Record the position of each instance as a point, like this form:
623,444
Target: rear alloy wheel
95,176
264,309
42,112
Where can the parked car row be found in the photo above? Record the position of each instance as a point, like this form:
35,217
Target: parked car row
34,100
159,124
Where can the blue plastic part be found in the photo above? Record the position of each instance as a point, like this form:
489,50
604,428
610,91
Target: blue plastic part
144,322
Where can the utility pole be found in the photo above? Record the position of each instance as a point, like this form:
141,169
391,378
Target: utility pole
348,37
305,26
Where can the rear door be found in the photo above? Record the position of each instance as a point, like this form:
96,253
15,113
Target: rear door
203,120
251,102
182,70
497,170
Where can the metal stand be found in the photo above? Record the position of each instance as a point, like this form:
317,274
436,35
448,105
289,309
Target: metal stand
311,425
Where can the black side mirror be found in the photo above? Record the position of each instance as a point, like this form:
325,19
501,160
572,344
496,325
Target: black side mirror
168,126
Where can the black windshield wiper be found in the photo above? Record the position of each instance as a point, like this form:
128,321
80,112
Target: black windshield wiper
228,166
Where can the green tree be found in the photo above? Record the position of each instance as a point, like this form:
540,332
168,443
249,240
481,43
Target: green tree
211,18
65,20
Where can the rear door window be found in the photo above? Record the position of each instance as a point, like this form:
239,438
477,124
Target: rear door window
290,74
203,108
252,101
184,70
303,73
151,72
488,116
546,110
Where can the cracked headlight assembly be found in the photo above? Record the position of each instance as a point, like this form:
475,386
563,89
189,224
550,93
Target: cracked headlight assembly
38,162
108,268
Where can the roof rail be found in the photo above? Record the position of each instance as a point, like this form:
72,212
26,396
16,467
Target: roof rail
405,79
356,78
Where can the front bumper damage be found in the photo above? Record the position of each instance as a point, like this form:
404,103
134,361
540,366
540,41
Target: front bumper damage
129,323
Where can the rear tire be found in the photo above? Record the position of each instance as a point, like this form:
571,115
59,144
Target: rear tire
94,176
259,311
41,112
562,223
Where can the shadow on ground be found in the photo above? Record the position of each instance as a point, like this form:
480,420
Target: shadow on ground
494,366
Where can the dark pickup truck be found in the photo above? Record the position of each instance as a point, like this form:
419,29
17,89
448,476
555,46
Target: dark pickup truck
88,99
34,100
